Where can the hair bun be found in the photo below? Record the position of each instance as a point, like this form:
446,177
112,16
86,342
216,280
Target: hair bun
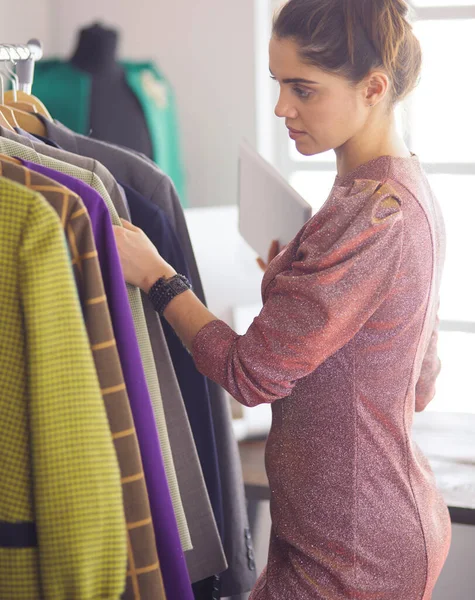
378,34
384,23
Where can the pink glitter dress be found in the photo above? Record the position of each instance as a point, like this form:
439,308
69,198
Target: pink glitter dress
345,349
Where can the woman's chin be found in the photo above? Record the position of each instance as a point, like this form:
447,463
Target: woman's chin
307,147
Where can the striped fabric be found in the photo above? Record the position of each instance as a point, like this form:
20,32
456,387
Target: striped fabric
12,148
144,577
58,469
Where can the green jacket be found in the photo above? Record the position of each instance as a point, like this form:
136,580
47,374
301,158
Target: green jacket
66,91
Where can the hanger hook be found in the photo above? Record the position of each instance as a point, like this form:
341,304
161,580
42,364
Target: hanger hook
13,75
2,89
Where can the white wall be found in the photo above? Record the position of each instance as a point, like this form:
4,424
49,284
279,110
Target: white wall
24,20
206,49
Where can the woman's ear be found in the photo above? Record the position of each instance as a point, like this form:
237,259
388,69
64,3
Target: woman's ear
377,86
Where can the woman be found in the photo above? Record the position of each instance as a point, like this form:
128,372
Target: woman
345,345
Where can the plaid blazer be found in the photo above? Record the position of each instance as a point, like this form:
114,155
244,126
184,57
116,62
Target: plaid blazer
12,148
144,576
60,483
169,549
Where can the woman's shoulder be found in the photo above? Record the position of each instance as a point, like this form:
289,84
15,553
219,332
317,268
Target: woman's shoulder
357,205
363,191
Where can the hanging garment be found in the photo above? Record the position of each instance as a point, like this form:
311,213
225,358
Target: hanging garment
349,309
160,351
152,323
12,148
212,560
207,556
193,385
67,93
136,171
53,516
156,225
212,478
144,575
155,186
35,138
175,576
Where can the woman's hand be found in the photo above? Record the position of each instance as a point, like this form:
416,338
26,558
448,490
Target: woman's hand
273,252
141,262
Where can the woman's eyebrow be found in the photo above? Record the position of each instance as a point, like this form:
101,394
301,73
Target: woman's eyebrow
296,80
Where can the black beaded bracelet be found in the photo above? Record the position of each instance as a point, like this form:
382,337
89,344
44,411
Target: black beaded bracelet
164,290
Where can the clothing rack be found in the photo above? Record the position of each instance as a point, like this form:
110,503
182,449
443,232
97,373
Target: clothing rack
23,56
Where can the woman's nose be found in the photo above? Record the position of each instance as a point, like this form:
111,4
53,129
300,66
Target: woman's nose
284,109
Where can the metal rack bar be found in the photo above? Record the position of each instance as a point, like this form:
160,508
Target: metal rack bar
23,56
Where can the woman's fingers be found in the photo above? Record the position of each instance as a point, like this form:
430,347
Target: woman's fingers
129,226
261,263
273,251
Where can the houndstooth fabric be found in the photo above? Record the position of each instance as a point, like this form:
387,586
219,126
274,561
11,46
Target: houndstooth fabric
58,467
144,577
11,148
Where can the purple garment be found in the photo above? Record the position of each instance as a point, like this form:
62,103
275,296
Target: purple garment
172,560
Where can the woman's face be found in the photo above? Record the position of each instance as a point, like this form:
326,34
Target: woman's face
321,111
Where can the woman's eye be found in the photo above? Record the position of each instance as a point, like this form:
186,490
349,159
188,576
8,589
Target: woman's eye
302,93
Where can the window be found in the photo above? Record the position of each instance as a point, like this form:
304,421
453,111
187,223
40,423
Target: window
438,124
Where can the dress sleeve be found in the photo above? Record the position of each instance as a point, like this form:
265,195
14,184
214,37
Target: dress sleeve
313,309
431,367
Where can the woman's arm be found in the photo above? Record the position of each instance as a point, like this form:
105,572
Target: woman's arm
143,266
311,310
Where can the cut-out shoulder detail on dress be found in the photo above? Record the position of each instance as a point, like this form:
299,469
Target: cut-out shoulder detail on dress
337,350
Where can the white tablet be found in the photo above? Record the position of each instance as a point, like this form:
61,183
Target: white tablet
269,207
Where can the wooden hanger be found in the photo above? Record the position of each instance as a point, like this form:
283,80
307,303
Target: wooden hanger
14,115
26,106
5,123
15,161
29,122
24,97
18,99
9,115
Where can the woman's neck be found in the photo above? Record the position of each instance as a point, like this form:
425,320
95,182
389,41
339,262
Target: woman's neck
372,142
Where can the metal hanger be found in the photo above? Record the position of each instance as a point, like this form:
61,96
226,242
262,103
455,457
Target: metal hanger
29,53
6,111
3,120
24,119
15,103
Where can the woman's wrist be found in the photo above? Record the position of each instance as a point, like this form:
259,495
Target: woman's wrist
160,269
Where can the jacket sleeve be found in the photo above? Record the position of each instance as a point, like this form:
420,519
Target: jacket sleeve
76,480
313,309
431,367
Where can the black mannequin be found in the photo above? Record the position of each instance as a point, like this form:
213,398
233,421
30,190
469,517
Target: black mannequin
115,113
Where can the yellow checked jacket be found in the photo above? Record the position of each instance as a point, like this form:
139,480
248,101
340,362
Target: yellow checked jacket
62,526
144,578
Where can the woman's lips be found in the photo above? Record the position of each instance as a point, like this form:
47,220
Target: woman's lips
295,134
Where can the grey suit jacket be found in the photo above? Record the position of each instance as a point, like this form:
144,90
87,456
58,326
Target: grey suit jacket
207,556
154,185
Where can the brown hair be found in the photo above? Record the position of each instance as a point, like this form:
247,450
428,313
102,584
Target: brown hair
378,34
